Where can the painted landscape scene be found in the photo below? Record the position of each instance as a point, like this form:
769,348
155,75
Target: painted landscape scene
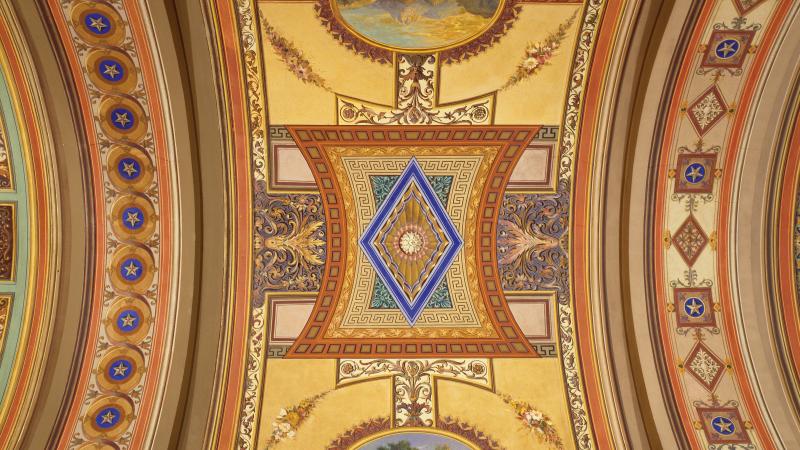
418,24
414,441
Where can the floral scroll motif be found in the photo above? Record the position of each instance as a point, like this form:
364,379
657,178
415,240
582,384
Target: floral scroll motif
5,163
7,241
360,432
416,94
289,242
469,114
289,420
293,58
469,432
452,425
539,54
536,421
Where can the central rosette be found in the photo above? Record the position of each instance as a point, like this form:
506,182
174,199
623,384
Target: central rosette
411,241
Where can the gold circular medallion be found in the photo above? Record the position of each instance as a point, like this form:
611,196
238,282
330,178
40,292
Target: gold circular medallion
107,417
120,369
132,269
133,217
97,23
128,320
112,71
130,168
123,119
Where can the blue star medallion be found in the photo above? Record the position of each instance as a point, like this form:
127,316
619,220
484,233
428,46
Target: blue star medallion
122,118
129,168
694,173
131,269
723,425
128,320
120,370
111,70
132,218
108,417
727,48
694,307
97,23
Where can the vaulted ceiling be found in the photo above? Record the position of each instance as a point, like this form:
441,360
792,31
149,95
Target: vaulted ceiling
336,224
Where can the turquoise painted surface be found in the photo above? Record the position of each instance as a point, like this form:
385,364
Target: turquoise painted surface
381,186
382,299
19,196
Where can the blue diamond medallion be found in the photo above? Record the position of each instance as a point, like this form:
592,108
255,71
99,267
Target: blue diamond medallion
411,241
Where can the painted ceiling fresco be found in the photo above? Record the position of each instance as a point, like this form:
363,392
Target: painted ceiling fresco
399,224
410,224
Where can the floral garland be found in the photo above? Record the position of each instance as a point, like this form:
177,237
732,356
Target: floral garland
540,54
289,420
292,57
536,421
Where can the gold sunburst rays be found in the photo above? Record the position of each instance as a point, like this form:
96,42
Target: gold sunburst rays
412,241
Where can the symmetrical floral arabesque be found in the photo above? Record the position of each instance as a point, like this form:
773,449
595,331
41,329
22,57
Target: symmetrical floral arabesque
416,94
413,395
532,241
289,241
8,237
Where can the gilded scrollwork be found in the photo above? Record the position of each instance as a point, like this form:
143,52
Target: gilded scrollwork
532,241
416,100
289,242
7,240
412,380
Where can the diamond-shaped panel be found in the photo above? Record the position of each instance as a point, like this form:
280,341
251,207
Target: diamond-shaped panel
707,110
411,241
745,6
704,366
690,240
727,49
